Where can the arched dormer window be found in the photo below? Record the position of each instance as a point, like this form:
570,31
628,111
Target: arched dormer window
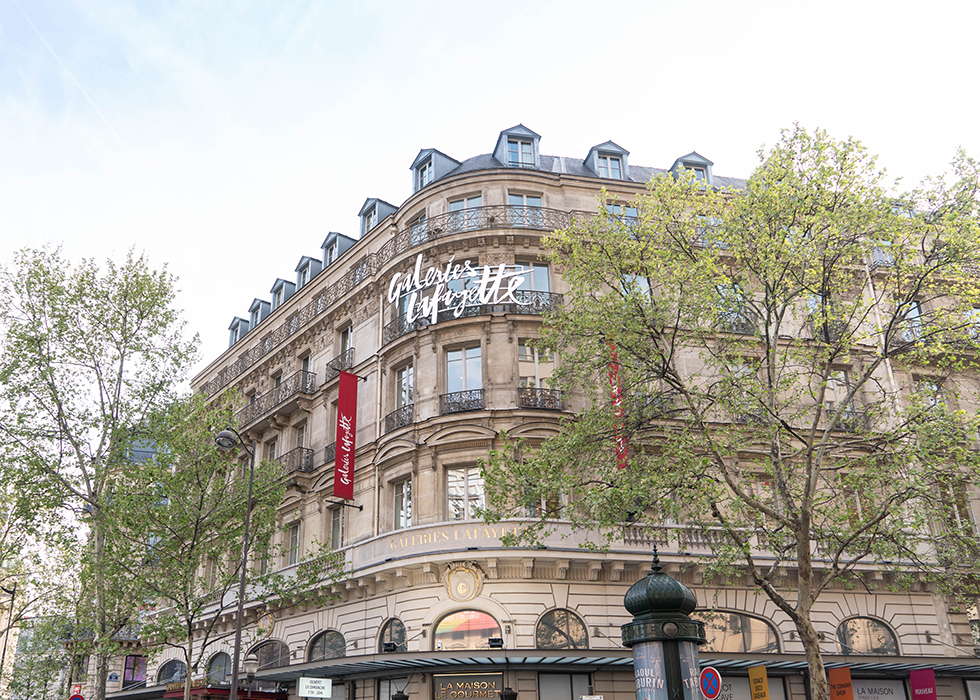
327,645
393,633
561,629
465,629
738,633
865,635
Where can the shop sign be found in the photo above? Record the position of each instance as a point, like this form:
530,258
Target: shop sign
840,684
648,669
876,689
739,688
467,685
314,687
428,292
923,682
759,682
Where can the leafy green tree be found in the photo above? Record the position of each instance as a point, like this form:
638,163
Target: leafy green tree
177,524
88,353
797,362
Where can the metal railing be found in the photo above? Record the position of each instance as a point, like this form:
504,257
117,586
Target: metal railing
458,401
531,397
299,383
299,459
399,418
343,362
742,322
503,216
330,453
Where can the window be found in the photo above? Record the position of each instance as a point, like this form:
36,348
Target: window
700,174
534,366
610,167
466,629
955,498
304,276
254,318
525,210
403,504
370,219
292,545
346,341
393,632
520,153
405,386
270,447
336,528
561,629
417,233
277,299
536,277
627,214
301,435
465,489
307,364
327,645
738,633
464,214
910,313
171,671
219,668
270,655
425,173
864,635
734,314
134,671
330,255
464,370
563,686
930,390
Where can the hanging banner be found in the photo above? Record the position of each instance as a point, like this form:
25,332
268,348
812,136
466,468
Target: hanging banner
759,682
923,682
343,470
840,684
617,404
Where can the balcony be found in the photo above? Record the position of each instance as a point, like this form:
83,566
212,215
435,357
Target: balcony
459,401
330,453
548,399
399,418
528,302
343,362
881,258
280,398
297,460
829,331
849,419
741,322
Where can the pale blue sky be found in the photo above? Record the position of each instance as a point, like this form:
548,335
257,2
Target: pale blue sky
227,138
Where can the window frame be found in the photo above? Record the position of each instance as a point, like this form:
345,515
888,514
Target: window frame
464,375
424,174
471,480
517,149
604,163
291,540
401,492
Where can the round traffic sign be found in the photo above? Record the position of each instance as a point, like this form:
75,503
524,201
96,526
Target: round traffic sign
710,681
76,696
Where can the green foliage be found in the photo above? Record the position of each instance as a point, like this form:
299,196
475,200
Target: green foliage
773,346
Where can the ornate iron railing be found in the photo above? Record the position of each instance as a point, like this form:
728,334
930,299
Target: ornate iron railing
299,383
330,453
458,401
529,302
829,331
881,257
344,361
477,219
296,460
741,322
531,397
849,419
399,418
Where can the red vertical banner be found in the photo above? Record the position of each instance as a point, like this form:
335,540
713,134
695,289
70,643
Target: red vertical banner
840,683
617,404
923,682
343,469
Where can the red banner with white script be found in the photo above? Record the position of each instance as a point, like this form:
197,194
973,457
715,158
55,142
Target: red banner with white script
617,404
343,470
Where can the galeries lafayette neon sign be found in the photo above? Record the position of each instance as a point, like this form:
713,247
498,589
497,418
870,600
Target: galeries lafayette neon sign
429,293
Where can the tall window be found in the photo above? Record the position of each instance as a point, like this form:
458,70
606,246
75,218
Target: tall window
277,300
292,545
370,219
912,321
611,167
346,340
394,633
465,490
403,504
327,645
520,154
536,277
330,255
134,672
465,214
561,629
336,528
425,173
864,635
304,276
417,231
271,654
464,370
219,668
534,366
301,435
466,629
405,386
271,448
525,210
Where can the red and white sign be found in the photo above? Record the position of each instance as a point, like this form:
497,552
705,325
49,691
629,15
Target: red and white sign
710,682
76,695
923,682
617,404
343,471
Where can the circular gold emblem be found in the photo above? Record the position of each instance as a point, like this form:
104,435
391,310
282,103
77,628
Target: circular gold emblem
463,583
265,625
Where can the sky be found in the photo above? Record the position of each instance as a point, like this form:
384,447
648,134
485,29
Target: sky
226,139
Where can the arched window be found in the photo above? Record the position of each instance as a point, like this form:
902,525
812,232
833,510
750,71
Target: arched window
328,645
561,629
272,654
738,633
173,670
219,668
393,632
466,629
865,635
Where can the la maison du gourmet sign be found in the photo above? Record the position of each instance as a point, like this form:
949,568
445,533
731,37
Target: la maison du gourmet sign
429,293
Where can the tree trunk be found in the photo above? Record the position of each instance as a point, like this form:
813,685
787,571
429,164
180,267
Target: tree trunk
188,655
819,689
101,628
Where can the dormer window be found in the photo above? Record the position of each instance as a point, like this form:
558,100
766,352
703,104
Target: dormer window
304,276
698,165
425,172
254,318
373,212
331,254
610,167
277,299
370,219
699,173
520,153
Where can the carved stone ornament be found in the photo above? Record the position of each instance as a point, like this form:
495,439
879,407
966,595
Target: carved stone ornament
463,582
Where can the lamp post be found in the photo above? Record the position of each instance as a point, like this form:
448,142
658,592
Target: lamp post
228,440
663,637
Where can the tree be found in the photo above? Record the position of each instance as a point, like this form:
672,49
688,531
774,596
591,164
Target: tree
177,520
793,362
88,353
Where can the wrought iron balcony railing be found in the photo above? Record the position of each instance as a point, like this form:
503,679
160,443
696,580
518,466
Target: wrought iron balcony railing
330,453
531,397
297,460
742,322
458,401
528,302
400,418
299,383
343,362
849,419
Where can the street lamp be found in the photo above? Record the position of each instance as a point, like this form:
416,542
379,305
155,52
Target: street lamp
228,440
